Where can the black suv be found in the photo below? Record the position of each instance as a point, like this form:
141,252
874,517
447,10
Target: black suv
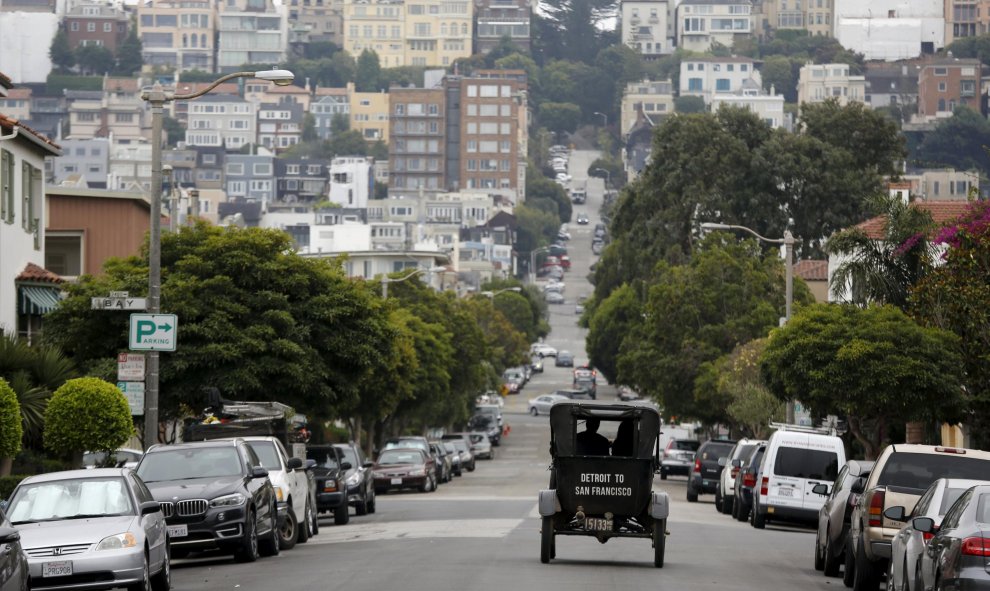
359,478
331,481
706,473
215,495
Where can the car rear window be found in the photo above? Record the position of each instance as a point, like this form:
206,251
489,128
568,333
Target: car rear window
714,451
686,445
798,462
744,450
919,471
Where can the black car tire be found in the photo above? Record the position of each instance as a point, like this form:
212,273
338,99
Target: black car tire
718,500
659,541
145,583
546,540
271,546
663,474
162,580
831,566
316,522
248,550
727,504
471,466
850,565
371,503
342,515
361,507
819,555
867,576
289,532
533,411
692,497
306,526
757,519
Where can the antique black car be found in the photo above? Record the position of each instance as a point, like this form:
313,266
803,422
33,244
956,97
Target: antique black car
599,487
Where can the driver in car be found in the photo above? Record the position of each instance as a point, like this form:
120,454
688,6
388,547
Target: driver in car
590,442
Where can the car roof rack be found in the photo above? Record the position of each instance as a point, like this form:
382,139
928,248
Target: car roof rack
825,430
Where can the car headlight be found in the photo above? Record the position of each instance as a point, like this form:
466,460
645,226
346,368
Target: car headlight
117,542
231,500
353,479
418,472
279,496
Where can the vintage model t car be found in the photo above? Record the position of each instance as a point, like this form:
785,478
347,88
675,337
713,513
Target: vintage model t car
609,493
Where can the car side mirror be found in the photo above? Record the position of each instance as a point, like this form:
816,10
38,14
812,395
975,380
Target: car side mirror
858,486
9,535
149,507
259,472
310,464
723,461
925,525
346,466
368,464
295,463
820,489
895,513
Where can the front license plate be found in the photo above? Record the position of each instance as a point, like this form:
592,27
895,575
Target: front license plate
598,524
62,568
785,492
397,481
178,531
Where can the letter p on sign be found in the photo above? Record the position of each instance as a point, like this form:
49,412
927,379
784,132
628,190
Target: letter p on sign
153,332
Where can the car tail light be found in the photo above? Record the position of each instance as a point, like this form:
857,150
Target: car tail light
734,472
876,508
927,535
749,479
697,465
976,546
765,485
951,450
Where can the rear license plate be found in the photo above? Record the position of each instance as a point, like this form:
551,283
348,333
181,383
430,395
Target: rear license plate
598,524
785,492
397,481
178,531
62,568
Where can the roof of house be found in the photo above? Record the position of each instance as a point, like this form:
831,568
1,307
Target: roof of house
112,83
941,212
38,138
33,272
86,192
5,81
19,93
719,60
952,61
324,91
812,270
287,89
190,87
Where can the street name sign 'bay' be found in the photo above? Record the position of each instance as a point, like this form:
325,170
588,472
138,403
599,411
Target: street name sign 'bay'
153,332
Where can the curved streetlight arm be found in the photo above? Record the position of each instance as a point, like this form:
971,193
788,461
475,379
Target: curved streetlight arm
214,84
787,239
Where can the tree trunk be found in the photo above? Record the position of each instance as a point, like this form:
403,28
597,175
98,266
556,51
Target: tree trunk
870,447
914,432
5,465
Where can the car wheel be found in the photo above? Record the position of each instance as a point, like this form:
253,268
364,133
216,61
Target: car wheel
546,540
315,528
938,583
659,541
866,577
271,546
471,466
727,504
162,580
371,503
248,551
145,583
342,515
533,411
663,474
850,565
819,555
757,519
289,532
718,501
692,497
361,507
919,583
890,576
306,527
831,566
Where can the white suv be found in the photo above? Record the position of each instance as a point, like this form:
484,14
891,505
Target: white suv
296,507
542,349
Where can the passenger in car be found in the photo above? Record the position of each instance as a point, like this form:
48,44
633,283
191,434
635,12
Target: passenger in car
590,442
623,444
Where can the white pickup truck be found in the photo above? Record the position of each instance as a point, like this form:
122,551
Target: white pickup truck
293,491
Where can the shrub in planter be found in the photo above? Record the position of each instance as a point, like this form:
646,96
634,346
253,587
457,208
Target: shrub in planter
87,414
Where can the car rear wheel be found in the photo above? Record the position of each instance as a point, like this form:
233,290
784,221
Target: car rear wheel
533,411
659,541
663,474
850,565
361,507
315,528
867,575
718,501
546,540
727,504
692,497
371,503
342,515
248,551
757,519
819,555
289,532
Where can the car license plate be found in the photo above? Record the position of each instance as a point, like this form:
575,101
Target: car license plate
178,531
598,524
785,492
62,568
397,481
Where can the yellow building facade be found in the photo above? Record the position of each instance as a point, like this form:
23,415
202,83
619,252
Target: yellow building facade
369,113
420,33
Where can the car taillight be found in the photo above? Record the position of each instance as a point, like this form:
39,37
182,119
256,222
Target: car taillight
733,473
950,450
927,535
764,485
697,465
976,546
876,509
749,479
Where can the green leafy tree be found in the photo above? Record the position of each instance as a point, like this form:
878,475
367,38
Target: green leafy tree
560,117
174,130
734,380
87,414
871,138
874,366
778,73
609,323
971,47
368,73
348,143
507,345
339,123
379,151
10,427
309,128
568,29
129,53
959,141
535,325
33,372
95,59
545,194
61,53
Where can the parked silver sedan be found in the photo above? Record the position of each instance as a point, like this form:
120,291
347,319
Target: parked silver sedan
88,529
541,404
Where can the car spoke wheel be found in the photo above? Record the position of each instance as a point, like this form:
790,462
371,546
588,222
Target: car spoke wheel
659,541
546,540
289,532
248,552
162,581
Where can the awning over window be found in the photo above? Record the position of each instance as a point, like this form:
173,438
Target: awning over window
36,301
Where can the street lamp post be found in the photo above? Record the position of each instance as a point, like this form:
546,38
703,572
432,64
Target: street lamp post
157,96
386,279
604,118
532,262
788,242
492,294
608,176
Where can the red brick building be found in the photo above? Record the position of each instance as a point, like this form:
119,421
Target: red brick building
96,25
946,84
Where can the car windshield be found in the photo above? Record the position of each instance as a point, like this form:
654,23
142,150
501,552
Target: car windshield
450,447
460,445
406,443
70,499
478,437
799,462
919,471
324,458
190,462
392,457
267,454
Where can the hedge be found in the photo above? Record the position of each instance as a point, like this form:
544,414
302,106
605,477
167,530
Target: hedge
8,483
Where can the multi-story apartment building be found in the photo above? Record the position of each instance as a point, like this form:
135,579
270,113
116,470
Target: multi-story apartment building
180,109
369,113
290,94
251,32
646,27
221,120
49,114
817,83
86,159
417,132
495,19
95,24
118,111
701,23
889,84
327,104
966,18
17,104
890,30
941,184
321,20
280,125
489,155
352,182
301,180
178,33
814,16
130,167
769,108
707,76
414,33
946,84
654,98
250,178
